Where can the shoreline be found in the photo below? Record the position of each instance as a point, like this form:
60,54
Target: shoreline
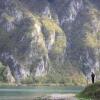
25,85
54,96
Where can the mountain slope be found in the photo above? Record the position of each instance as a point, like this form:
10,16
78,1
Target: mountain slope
48,39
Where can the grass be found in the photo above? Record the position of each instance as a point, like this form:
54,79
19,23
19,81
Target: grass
8,17
91,92
51,25
59,46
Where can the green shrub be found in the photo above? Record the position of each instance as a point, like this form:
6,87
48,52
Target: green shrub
2,74
59,46
51,25
28,80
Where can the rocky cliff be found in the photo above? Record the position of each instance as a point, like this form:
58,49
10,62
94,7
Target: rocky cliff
47,40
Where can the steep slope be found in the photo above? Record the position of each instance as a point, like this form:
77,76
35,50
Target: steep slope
45,40
27,40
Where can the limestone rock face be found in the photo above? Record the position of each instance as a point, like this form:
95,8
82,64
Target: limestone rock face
45,38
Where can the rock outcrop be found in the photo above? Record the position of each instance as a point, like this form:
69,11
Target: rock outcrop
46,39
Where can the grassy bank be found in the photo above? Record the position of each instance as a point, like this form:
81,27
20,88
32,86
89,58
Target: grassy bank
36,85
91,92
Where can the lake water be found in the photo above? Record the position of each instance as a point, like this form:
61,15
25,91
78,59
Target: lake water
27,93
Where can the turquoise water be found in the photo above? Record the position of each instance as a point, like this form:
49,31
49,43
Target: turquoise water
27,93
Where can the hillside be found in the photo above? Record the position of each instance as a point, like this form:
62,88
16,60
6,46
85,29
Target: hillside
91,91
49,41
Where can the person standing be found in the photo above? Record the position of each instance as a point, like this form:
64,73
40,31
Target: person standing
92,77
